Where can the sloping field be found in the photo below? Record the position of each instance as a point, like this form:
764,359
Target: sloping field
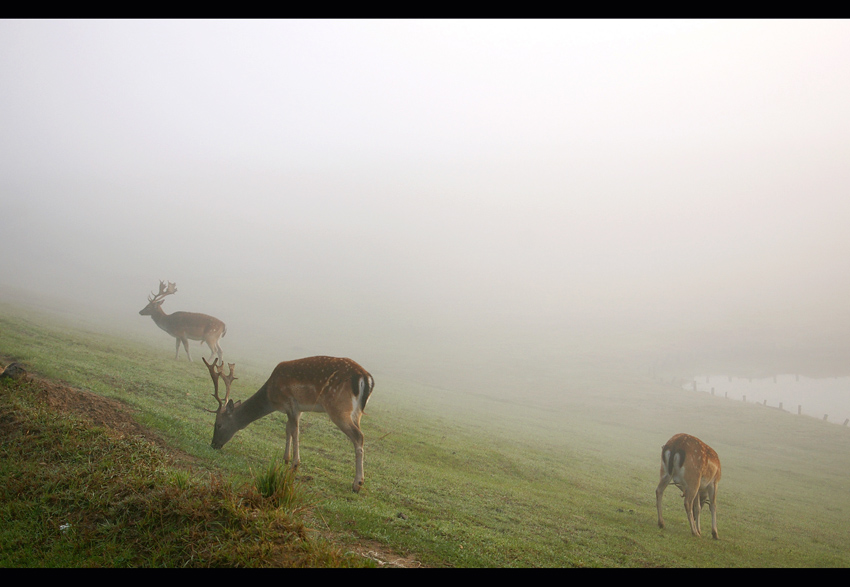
469,476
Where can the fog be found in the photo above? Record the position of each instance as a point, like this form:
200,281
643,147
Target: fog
440,200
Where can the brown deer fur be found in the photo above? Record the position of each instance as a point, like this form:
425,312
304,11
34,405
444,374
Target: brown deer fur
694,468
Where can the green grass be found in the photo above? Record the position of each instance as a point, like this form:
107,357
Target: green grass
75,495
455,477
277,484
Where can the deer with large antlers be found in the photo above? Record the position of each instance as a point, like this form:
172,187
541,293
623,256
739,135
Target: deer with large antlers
184,326
338,387
693,467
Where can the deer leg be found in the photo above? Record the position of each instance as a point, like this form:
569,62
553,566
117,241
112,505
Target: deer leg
659,494
352,429
215,348
690,497
697,509
292,441
186,346
712,505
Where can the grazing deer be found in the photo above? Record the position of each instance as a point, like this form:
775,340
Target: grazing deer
184,326
694,468
338,387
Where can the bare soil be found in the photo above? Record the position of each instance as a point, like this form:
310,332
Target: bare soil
100,411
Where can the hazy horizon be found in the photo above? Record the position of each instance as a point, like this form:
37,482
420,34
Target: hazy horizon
490,191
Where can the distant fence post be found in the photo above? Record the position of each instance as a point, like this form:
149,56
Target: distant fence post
799,410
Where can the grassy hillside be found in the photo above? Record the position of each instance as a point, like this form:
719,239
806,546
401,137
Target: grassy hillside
460,476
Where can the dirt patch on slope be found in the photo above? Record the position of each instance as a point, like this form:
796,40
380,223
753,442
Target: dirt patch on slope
100,411
383,557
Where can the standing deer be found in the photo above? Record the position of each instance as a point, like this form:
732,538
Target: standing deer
694,468
338,387
184,326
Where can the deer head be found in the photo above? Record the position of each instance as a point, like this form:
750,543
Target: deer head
225,425
155,300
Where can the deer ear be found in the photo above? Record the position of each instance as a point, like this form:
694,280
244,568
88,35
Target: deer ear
229,408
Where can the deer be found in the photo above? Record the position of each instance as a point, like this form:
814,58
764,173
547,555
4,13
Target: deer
337,386
184,326
693,467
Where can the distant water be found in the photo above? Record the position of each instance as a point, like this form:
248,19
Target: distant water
830,395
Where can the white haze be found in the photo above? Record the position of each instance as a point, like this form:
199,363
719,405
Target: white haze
493,195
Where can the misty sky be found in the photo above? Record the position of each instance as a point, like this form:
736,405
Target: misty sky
379,183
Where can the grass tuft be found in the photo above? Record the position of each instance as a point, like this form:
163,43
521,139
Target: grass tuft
278,486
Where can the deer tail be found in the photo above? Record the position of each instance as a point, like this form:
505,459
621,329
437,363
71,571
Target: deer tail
672,458
362,385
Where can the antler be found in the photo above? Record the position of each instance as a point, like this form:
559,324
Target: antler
214,374
217,370
228,379
164,290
